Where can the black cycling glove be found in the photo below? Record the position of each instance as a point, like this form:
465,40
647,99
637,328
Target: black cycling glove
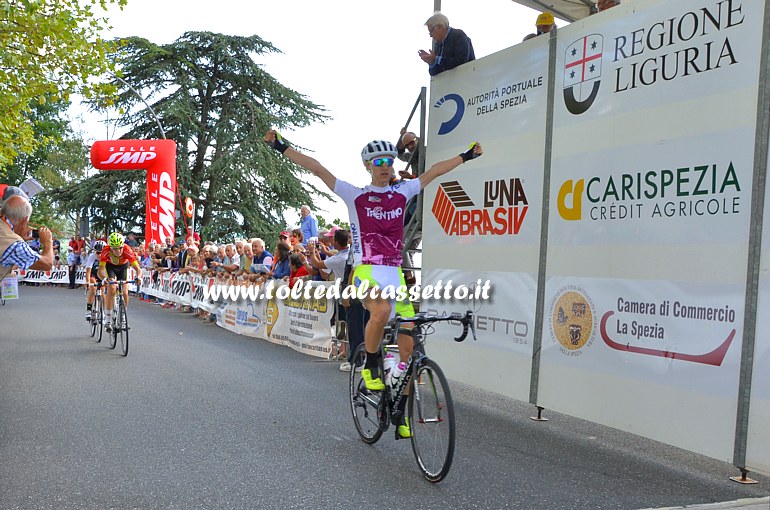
279,144
469,154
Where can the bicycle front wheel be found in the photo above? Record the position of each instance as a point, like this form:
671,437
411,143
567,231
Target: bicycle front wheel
368,407
122,327
99,317
113,320
432,421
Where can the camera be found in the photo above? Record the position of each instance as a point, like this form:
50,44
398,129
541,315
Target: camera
35,234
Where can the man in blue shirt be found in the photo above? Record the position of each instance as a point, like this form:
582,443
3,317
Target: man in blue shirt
14,250
309,225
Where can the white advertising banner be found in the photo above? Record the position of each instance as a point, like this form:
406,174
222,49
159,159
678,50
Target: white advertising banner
482,220
500,359
302,324
489,207
653,143
58,276
243,318
9,288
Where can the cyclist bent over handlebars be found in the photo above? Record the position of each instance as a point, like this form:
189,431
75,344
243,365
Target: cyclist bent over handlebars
113,263
377,226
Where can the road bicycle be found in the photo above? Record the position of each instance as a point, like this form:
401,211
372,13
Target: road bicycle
429,407
97,313
119,326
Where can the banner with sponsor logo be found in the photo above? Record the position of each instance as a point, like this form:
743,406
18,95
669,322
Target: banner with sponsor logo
59,276
302,324
158,158
483,218
651,177
504,332
244,318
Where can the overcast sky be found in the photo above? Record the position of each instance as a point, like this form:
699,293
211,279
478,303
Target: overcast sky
358,59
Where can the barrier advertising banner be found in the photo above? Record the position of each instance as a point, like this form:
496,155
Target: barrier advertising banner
305,325
486,214
651,178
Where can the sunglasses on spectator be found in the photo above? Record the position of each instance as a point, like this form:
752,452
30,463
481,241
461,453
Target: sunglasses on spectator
383,161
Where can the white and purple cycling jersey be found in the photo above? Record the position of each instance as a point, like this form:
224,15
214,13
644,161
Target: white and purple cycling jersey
377,220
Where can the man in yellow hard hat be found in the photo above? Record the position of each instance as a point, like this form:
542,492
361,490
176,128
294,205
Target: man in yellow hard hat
545,23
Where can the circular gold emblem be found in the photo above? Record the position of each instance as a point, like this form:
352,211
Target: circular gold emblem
572,319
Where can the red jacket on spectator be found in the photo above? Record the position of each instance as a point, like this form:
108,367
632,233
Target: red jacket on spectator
295,275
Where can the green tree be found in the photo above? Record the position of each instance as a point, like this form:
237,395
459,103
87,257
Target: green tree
216,101
59,158
48,49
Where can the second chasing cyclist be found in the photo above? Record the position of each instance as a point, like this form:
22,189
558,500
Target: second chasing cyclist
92,268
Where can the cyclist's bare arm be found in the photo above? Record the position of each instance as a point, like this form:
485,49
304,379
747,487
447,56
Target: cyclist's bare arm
303,160
137,268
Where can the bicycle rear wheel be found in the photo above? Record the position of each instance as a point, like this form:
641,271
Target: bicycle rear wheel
432,421
123,328
94,315
368,407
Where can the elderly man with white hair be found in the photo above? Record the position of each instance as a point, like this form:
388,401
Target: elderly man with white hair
14,250
603,5
452,47
308,225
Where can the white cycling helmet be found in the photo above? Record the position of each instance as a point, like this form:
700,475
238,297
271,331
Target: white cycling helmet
377,148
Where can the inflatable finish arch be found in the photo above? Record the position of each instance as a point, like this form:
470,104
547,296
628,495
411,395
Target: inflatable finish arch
158,157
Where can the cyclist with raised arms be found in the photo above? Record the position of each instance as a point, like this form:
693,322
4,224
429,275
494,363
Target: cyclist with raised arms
92,268
377,226
113,264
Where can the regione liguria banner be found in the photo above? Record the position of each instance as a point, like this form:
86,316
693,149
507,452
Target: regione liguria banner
651,179
158,158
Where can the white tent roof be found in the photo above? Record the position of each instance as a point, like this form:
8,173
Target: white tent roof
568,10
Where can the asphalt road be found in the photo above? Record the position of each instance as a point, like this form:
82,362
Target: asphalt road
198,417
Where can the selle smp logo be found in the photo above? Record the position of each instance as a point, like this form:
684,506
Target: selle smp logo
582,70
129,157
165,205
448,126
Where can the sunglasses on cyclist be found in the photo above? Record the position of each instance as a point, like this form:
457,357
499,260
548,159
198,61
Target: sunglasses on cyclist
382,161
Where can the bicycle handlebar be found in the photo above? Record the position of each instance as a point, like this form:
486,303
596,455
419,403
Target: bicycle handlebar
118,282
423,318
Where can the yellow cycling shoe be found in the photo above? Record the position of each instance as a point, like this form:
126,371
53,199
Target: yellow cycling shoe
371,384
404,431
